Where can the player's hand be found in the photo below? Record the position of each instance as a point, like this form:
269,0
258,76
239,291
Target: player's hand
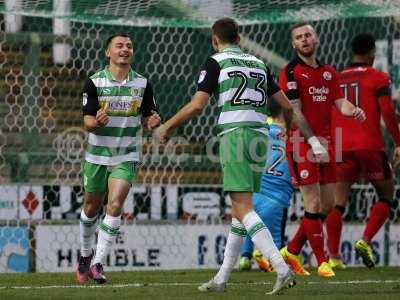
359,114
396,157
154,120
319,151
101,116
161,134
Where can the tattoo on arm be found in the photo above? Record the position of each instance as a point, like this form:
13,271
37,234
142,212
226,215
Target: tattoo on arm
300,120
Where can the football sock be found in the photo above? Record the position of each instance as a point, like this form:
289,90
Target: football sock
298,241
334,224
108,230
232,251
262,239
313,229
87,228
379,213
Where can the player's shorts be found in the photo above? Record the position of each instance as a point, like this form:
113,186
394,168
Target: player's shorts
372,165
274,216
95,177
243,153
304,171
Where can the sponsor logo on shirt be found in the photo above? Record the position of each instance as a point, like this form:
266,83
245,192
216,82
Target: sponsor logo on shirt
318,94
202,76
305,75
327,75
106,91
121,106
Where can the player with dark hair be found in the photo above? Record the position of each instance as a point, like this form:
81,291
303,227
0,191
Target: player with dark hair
363,147
314,90
242,83
117,103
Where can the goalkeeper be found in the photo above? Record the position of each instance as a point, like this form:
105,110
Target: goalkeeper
273,200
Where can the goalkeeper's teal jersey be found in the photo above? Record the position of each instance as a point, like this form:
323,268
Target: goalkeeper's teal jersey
276,181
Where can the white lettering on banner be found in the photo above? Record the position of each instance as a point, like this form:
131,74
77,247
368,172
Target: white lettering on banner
318,94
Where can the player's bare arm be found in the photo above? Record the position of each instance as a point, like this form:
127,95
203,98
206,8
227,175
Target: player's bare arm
93,122
319,151
287,108
347,108
190,110
389,117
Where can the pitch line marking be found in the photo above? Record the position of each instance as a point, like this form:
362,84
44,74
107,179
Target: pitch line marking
139,285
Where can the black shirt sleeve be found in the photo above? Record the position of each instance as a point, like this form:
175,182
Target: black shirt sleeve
90,99
383,91
208,79
288,80
272,86
148,102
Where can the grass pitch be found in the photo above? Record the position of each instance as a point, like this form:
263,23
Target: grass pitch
353,283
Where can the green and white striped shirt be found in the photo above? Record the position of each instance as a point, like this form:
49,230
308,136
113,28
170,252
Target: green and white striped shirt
242,84
120,139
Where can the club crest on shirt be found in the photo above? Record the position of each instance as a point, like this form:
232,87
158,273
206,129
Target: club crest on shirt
304,174
202,76
84,99
135,91
327,75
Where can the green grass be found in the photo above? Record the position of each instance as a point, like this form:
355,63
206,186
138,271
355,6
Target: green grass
355,283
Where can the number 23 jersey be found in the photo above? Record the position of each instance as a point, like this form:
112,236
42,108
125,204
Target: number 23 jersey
242,84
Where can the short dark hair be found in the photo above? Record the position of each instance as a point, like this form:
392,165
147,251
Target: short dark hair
111,37
227,30
363,43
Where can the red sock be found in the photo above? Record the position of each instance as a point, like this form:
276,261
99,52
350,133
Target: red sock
298,241
313,229
379,213
334,224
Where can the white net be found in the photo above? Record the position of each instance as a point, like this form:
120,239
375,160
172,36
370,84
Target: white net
47,50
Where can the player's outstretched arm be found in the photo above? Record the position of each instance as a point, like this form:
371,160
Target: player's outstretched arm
190,110
287,109
347,109
389,117
293,108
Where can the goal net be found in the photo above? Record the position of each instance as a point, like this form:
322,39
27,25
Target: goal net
48,48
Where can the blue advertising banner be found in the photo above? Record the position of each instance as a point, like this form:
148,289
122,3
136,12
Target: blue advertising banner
14,249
